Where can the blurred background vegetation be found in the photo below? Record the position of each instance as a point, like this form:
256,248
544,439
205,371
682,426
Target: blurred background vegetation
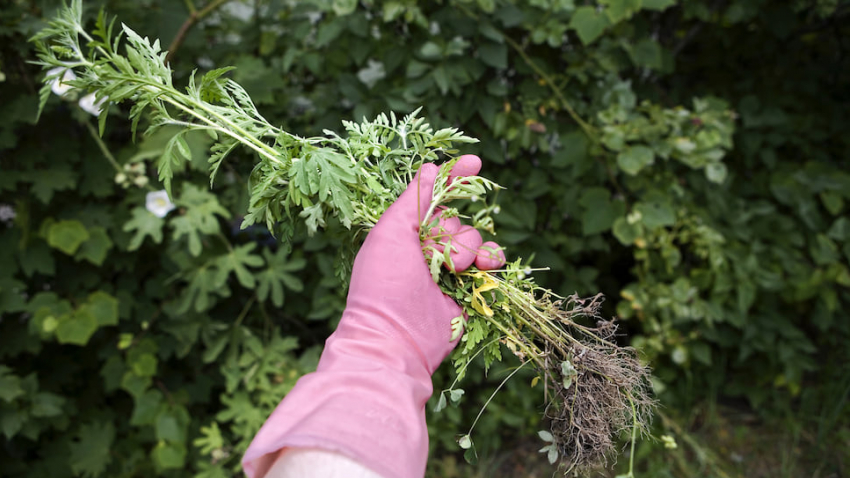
688,158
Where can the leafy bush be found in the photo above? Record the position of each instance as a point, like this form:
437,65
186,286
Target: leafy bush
682,157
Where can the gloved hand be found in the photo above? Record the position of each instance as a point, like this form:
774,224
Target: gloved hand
367,398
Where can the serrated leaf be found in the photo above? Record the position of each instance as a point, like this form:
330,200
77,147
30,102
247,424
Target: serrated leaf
210,439
76,328
635,158
145,224
10,385
238,261
92,453
96,247
278,273
45,404
146,407
103,307
201,209
67,235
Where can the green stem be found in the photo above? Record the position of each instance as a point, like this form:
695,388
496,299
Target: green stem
190,5
588,129
466,365
480,412
106,153
634,437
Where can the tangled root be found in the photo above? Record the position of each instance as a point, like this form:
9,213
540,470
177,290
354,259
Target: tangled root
602,394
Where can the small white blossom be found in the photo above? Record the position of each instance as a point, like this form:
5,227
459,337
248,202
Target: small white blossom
158,203
58,85
89,105
7,212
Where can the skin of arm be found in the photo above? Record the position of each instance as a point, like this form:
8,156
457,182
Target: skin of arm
305,462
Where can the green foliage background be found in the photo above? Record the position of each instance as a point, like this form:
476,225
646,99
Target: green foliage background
687,158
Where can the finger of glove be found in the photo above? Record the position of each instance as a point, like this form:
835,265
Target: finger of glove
465,243
445,226
490,256
467,165
412,205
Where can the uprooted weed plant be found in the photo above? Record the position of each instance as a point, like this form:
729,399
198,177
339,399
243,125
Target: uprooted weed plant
595,389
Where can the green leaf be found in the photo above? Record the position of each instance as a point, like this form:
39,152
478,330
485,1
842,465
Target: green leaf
169,456
146,407
494,54
647,53
619,10
11,421
465,442
103,307
67,235
92,453
599,211
134,384
144,365
278,273
145,224
634,158
169,428
546,436
455,395
46,404
716,172
237,261
344,7
210,439
431,51
568,373
573,150
833,202
588,24
76,328
10,385
625,232
441,77
701,352
657,5
656,210
57,178
201,209
441,403
96,248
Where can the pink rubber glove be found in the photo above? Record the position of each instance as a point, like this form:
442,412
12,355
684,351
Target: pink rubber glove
367,398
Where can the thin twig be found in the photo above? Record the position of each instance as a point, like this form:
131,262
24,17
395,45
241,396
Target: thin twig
194,17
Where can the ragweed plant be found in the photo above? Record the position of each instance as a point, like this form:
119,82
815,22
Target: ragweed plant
594,389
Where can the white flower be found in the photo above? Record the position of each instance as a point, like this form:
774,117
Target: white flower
88,104
7,212
158,203
58,85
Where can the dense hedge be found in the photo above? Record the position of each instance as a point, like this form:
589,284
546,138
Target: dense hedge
687,158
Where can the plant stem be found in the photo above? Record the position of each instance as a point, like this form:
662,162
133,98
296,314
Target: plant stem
106,153
194,17
480,412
